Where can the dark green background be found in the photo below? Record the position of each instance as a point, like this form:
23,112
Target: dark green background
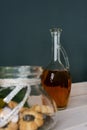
25,38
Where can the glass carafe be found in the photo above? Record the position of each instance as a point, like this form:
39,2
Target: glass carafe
56,78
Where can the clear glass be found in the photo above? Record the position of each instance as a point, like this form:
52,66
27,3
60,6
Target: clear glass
22,84
56,78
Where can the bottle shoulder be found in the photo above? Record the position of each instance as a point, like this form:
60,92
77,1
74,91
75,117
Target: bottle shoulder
55,66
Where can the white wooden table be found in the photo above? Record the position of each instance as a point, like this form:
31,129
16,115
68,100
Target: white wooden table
74,117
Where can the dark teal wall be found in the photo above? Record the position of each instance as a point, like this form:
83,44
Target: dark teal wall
25,38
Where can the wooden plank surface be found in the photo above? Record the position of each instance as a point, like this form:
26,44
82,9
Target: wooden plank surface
74,117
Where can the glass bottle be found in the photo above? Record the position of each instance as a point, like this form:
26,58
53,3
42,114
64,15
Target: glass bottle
56,78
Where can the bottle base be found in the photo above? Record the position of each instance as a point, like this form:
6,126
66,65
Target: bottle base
61,108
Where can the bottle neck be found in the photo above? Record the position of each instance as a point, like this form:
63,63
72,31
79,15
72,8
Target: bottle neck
57,51
56,46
